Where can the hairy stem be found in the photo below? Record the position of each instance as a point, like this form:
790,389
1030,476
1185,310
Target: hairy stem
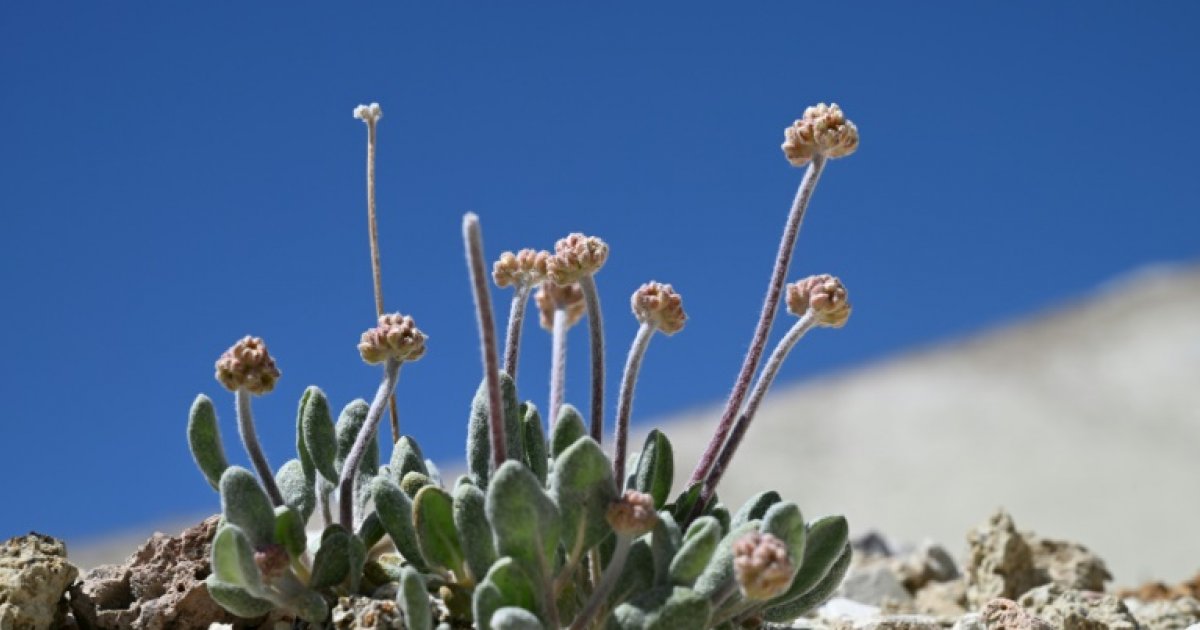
245,419
605,584
770,371
512,341
473,239
391,373
591,297
558,364
774,290
633,363
373,231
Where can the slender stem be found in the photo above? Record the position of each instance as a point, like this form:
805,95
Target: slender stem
591,297
558,365
606,583
512,342
391,373
376,266
245,419
473,239
633,363
323,488
770,371
763,330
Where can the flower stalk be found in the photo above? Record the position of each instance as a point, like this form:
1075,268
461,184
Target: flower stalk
245,418
473,240
349,473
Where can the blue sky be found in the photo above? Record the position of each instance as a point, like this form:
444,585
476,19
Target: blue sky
174,177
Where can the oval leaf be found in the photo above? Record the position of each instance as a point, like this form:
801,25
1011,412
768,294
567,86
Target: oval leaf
204,440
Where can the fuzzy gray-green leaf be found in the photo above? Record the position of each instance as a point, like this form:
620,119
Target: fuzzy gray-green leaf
236,599
755,508
784,521
824,542
664,608
204,440
479,444
245,504
433,519
699,543
525,522
350,422
414,600
506,584
816,595
297,488
412,483
306,461
513,618
475,535
665,541
320,439
655,468
534,437
395,514
233,558
370,530
332,562
568,428
582,487
289,531
406,458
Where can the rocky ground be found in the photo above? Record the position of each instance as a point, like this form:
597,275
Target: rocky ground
1008,579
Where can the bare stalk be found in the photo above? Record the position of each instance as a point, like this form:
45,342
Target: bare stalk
558,364
512,341
763,330
605,584
245,419
473,239
633,363
770,371
391,373
373,230
591,297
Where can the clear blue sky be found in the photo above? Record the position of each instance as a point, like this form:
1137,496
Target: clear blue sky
173,177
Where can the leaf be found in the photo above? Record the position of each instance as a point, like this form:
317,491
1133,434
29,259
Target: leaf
332,562
534,437
233,558
754,508
664,608
437,537
245,504
506,584
406,458
352,421
816,595
825,541
699,544
655,468
512,618
475,534
395,514
235,599
582,487
525,522
567,429
479,440
297,489
289,531
204,440
320,439
414,600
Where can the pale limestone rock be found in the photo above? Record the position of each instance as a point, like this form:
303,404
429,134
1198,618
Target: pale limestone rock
34,574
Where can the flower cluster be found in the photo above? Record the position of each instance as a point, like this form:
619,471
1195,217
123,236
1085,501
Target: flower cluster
762,566
823,129
659,305
825,295
633,514
396,337
576,256
247,365
524,269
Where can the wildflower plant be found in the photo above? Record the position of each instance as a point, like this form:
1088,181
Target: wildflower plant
546,530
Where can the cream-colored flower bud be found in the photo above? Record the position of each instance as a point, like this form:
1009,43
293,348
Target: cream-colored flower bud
633,514
550,297
824,129
575,256
396,337
825,295
660,306
762,566
248,365
271,560
368,113
522,269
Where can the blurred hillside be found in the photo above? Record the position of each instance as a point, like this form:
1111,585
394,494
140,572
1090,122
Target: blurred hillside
1083,422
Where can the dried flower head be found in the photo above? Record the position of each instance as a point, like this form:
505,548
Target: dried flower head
396,337
762,566
633,514
576,256
823,129
368,113
552,296
522,269
271,560
825,295
248,365
660,306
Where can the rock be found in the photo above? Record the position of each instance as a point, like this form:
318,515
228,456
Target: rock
840,608
365,613
999,562
1078,610
1069,565
899,622
942,599
929,563
34,574
160,587
874,584
1005,614
872,543
1167,614
970,621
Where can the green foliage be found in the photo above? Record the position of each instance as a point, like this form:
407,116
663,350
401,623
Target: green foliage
655,468
204,440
